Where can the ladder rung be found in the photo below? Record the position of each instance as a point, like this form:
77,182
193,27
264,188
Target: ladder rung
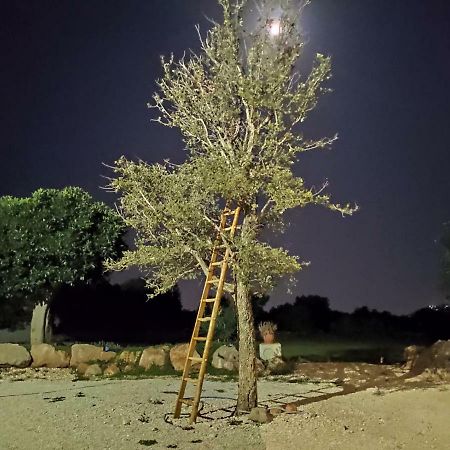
187,401
218,263
230,213
191,380
195,359
200,338
209,300
205,319
213,281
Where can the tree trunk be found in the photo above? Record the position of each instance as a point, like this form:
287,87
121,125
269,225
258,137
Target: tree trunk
247,392
40,324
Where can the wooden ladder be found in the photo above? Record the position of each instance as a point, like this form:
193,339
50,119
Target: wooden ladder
207,312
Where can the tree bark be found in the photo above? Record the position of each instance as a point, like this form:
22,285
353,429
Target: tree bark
40,324
247,390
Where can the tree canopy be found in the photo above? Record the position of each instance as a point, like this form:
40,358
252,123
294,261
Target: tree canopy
52,238
238,104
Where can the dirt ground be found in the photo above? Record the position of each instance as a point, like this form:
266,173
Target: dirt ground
47,409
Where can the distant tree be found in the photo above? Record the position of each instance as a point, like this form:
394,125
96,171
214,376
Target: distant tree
239,105
307,315
227,326
51,239
120,313
317,308
432,323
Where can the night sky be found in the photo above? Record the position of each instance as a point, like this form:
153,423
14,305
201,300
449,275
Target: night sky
75,78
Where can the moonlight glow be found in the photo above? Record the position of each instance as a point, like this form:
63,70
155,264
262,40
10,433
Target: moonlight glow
274,27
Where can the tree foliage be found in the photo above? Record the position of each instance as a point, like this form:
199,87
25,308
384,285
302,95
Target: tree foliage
55,237
239,105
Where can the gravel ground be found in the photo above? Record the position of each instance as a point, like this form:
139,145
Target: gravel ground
416,419
107,414
132,414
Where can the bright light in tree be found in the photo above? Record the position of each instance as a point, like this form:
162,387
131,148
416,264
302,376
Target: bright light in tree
274,27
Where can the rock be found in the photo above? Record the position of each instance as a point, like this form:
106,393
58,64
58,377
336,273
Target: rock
111,370
81,368
260,367
276,411
178,354
435,357
226,357
277,366
129,357
45,355
128,368
269,351
85,353
260,415
154,356
290,407
14,355
410,354
93,370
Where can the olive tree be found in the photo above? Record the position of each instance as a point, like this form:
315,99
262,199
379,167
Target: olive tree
52,238
239,104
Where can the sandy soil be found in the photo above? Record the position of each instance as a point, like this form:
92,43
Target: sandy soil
132,414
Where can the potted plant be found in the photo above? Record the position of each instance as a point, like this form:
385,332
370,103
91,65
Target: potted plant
267,331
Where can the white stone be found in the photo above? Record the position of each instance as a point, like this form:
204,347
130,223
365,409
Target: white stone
45,355
93,370
14,355
178,354
86,353
269,351
154,356
226,357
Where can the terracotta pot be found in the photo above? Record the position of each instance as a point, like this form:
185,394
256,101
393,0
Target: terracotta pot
269,338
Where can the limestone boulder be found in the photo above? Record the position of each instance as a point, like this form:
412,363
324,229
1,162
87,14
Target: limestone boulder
111,370
410,354
14,355
435,357
93,370
129,357
45,355
81,368
178,354
260,367
276,411
290,407
260,415
154,356
85,353
226,357
277,366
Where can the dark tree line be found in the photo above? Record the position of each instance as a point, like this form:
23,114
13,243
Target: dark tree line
121,314
310,315
125,314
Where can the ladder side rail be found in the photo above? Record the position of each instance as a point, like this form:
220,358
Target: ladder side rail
201,311
209,339
193,342
212,324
